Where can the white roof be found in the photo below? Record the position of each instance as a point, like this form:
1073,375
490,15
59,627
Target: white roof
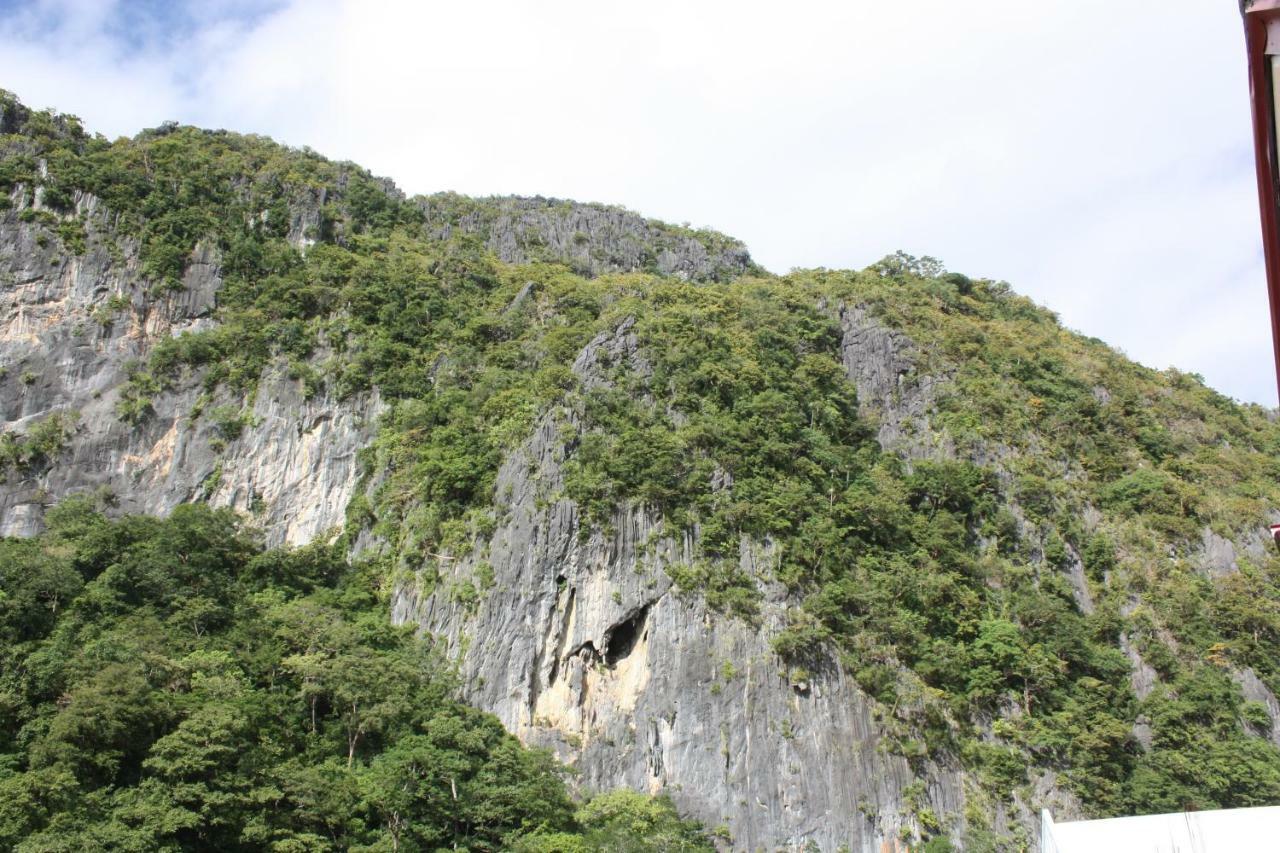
1216,831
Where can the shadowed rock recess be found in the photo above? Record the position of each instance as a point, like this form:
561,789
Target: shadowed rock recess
583,645
837,560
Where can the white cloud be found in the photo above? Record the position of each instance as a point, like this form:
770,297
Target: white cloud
1095,154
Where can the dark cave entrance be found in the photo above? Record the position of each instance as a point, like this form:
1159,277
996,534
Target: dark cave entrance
621,639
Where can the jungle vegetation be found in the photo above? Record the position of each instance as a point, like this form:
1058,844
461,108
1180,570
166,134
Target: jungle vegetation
984,594
168,684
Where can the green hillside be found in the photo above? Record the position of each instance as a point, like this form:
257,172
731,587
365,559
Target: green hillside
169,685
1040,527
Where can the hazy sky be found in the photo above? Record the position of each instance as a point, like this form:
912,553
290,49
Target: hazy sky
1093,153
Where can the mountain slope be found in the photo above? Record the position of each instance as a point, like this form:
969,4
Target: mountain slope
167,684
833,557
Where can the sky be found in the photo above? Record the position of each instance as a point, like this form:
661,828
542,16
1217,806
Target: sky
1094,154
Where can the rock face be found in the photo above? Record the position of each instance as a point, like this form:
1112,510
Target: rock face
1253,690
71,327
582,644
592,238
1219,556
882,363
573,635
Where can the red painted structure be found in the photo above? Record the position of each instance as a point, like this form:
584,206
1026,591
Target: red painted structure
1262,39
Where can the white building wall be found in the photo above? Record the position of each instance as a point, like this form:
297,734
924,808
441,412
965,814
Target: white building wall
1219,831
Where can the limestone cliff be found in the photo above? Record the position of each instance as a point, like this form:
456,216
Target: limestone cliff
590,238
76,324
1100,507
584,645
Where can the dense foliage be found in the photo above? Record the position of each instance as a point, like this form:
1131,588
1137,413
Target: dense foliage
985,593
167,684
947,587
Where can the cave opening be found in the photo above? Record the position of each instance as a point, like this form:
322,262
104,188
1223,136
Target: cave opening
622,638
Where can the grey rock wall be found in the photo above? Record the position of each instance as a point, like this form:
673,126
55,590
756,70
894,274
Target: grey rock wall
578,640
1253,690
584,646
69,328
592,238
893,393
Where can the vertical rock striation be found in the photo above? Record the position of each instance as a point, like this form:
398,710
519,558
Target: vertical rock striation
584,646
74,324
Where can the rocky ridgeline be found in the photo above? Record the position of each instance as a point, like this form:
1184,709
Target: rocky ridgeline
582,645
578,641
593,239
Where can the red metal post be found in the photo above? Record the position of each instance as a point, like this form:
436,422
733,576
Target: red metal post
1258,15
